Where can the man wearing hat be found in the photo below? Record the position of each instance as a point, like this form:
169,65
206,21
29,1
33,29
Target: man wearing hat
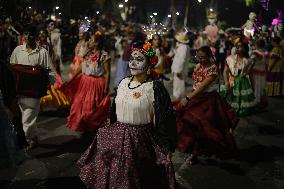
178,66
32,55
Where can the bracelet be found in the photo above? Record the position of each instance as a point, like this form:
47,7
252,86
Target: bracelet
187,98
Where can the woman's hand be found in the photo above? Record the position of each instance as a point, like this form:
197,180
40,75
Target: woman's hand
227,86
106,90
169,156
183,102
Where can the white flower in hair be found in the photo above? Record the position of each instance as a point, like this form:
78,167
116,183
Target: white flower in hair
85,26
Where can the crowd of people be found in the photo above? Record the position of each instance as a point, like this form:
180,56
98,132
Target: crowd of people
136,133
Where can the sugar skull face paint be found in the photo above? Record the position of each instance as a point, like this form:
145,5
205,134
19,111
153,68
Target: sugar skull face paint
137,63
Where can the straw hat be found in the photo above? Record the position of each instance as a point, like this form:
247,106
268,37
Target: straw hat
182,38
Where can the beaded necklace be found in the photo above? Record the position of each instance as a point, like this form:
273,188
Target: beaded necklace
137,85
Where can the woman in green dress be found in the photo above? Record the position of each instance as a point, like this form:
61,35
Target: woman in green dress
238,89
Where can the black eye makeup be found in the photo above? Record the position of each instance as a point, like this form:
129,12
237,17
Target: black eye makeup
140,58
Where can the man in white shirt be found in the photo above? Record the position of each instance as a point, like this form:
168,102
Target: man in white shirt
181,56
30,54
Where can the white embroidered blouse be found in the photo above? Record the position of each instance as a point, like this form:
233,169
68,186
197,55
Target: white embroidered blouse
200,74
237,67
91,66
135,106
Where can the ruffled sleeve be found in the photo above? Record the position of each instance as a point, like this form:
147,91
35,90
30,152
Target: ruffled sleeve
165,120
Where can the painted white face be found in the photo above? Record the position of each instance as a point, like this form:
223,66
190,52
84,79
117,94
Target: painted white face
137,63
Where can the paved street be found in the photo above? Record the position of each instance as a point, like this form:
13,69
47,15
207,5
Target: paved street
258,164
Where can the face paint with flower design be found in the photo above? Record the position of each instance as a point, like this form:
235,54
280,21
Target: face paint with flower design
137,63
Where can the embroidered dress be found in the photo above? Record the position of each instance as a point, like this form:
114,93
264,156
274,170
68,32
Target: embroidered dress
131,152
240,96
275,77
159,68
89,104
203,125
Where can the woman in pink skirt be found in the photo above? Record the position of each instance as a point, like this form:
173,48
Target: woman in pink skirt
88,89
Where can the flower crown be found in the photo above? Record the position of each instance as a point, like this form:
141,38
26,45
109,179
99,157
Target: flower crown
147,50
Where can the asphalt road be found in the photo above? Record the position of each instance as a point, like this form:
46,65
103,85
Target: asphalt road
258,164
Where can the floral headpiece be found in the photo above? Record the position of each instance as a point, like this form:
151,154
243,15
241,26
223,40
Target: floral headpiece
147,50
85,26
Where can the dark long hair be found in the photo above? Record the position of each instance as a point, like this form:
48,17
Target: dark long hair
207,50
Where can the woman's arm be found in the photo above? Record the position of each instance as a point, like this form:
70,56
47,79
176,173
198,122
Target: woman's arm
225,76
203,85
78,71
107,75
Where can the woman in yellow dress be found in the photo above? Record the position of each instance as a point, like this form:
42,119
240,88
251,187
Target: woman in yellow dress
275,73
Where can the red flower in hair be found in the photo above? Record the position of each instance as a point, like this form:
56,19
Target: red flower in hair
154,60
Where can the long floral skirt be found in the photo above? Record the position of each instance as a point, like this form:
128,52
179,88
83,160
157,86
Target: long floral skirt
275,80
124,156
240,96
204,125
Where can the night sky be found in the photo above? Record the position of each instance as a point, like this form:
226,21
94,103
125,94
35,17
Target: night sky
233,12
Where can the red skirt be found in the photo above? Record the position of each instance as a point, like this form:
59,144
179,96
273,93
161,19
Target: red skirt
203,125
89,105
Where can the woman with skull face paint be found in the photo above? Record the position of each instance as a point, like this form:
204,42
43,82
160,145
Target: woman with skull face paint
135,150
88,89
204,120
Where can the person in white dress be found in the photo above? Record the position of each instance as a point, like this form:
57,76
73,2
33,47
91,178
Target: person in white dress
181,56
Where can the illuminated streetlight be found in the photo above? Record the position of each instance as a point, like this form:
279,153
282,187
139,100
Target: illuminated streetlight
177,13
169,16
120,5
211,9
98,12
155,14
125,1
57,7
199,1
30,7
59,13
151,16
